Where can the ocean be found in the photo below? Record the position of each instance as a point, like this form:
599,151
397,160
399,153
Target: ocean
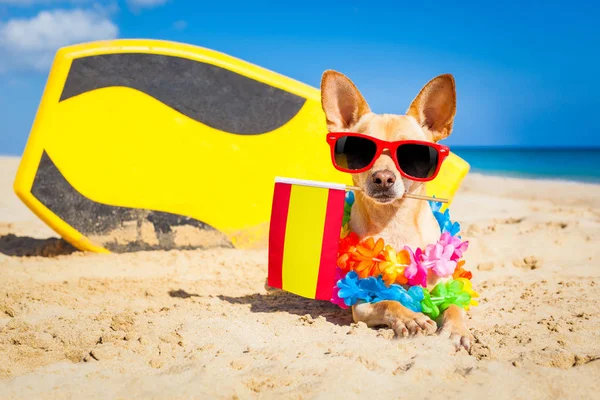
565,164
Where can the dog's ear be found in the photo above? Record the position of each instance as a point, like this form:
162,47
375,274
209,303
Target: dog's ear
342,102
435,106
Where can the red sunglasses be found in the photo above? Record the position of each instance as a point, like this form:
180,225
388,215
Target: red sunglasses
417,160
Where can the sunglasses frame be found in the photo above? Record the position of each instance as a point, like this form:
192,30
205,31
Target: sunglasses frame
443,152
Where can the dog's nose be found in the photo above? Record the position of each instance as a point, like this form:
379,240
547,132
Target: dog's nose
384,179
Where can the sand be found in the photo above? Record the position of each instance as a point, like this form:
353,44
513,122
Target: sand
199,324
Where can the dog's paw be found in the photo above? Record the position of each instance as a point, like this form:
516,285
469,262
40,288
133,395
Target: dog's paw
454,326
413,324
458,333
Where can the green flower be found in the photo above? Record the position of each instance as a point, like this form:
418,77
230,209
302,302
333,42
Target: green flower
443,295
451,292
428,307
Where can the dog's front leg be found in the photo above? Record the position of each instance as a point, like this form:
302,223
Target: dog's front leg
403,321
454,325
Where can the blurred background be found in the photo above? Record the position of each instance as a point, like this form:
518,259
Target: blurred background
526,72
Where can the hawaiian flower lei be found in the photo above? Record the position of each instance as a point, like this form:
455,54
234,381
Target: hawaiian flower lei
372,271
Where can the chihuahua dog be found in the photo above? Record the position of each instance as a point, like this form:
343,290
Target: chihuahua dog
380,209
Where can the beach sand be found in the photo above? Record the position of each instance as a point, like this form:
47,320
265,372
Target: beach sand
199,324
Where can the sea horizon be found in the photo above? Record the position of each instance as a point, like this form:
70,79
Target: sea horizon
580,164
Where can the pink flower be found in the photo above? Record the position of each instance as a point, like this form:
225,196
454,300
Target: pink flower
459,247
439,258
416,271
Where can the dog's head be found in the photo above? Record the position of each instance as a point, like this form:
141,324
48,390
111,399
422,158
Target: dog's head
429,117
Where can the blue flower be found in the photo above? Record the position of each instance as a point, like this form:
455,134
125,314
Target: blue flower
452,228
443,219
446,225
371,289
372,284
350,291
410,299
436,206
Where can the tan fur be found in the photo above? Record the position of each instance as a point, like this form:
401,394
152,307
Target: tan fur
399,221
403,321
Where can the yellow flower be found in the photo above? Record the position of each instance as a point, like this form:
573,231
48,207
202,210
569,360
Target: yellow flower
468,287
392,268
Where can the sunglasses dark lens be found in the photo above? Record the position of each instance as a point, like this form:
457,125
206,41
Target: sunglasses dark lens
417,160
354,153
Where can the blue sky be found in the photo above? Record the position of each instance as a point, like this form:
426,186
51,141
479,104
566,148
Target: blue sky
526,72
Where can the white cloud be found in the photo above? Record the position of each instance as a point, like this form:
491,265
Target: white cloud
145,3
32,42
